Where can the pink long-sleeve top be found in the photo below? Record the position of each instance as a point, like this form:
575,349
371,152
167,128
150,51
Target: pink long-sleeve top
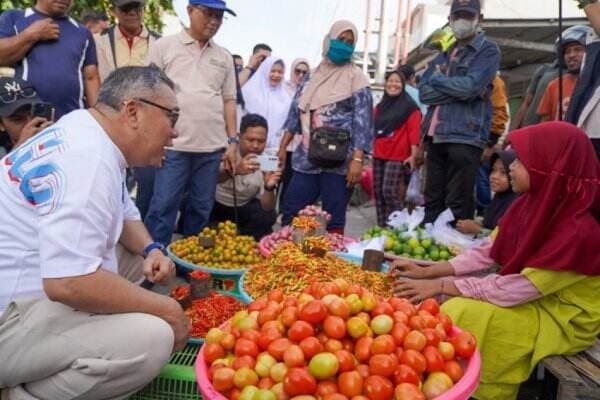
503,290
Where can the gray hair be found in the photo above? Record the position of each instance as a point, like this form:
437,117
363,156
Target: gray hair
128,83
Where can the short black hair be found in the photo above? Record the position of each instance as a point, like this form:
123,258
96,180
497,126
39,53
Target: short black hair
261,46
407,71
236,56
253,121
92,16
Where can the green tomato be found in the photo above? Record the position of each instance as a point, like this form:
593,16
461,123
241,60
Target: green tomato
264,394
324,365
382,324
248,393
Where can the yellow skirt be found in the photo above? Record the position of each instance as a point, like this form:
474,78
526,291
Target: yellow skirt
512,340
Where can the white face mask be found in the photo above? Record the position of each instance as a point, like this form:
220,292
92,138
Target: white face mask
463,28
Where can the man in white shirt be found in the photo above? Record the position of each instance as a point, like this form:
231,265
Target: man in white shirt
70,325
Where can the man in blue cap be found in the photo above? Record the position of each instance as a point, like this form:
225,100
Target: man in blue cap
204,77
457,87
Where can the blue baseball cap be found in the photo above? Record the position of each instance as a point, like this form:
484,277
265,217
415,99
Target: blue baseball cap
471,6
216,4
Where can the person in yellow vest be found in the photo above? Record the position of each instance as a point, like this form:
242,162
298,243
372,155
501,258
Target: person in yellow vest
127,42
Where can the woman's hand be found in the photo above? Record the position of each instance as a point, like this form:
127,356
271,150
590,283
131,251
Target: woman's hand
412,163
420,155
354,173
408,269
32,128
417,290
468,227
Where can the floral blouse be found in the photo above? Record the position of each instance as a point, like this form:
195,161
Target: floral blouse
354,114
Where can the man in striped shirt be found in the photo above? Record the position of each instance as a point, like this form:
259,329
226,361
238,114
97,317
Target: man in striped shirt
53,52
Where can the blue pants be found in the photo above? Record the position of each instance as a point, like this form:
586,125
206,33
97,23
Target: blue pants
483,190
194,173
145,188
305,189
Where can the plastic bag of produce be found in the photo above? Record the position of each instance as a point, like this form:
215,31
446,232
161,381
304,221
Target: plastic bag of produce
404,220
443,232
357,249
413,192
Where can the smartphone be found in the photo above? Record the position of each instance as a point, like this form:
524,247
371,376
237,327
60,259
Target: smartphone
42,109
268,163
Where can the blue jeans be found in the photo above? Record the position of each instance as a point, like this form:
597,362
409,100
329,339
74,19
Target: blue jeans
194,173
305,189
145,188
483,190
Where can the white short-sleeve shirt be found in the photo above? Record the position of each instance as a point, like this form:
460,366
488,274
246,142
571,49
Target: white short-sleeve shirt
63,201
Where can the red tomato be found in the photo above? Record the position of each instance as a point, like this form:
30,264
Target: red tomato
363,370
383,308
435,361
416,322
243,361
433,338
269,313
293,356
453,370
228,341
300,330
328,288
396,302
289,315
345,359
326,387
340,308
360,398
405,374
354,289
407,309
245,347
278,347
335,396
447,350
323,338
415,360
234,394
267,337
383,364
431,306
400,317
333,345
235,331
415,340
212,370
362,348
348,345
265,383
257,304
223,379
350,383
213,351
291,301
464,344
383,344
408,391
439,328
445,321
299,381
252,335
273,325
334,327
276,295
378,388
310,347
399,332
313,312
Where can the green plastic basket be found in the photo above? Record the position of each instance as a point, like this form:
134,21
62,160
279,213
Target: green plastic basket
176,381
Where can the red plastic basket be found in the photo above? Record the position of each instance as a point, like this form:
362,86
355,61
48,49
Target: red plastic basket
461,391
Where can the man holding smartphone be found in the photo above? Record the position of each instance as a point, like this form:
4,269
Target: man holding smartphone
22,113
256,178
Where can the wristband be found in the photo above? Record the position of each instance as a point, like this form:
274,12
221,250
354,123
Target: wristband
233,139
153,246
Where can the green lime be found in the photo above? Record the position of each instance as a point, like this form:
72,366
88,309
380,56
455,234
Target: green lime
434,254
444,255
413,243
418,257
426,243
419,251
406,255
398,249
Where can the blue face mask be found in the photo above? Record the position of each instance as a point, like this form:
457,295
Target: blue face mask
339,52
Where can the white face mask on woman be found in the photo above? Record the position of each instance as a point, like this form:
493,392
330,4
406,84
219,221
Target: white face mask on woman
463,28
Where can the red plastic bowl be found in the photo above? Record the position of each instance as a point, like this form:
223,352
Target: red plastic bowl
461,391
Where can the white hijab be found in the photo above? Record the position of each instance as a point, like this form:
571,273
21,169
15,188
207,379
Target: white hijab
272,102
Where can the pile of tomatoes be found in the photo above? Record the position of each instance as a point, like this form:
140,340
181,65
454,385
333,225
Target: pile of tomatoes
336,341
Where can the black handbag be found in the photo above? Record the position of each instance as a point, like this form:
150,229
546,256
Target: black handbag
328,147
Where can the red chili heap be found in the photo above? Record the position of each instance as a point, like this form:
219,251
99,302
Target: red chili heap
199,275
211,312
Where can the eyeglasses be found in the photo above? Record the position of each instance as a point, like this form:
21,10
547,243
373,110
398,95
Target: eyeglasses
299,71
211,13
131,7
171,113
10,96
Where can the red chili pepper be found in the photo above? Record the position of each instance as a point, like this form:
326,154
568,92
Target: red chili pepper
211,312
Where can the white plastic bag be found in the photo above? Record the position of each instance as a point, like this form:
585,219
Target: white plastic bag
403,220
413,192
357,249
444,233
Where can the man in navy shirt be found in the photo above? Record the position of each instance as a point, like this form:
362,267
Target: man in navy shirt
53,52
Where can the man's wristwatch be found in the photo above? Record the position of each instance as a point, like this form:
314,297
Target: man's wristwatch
233,140
153,246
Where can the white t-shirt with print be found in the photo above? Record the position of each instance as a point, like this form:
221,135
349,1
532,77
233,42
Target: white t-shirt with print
63,200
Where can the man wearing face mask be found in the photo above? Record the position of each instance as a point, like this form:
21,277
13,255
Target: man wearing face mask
457,87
